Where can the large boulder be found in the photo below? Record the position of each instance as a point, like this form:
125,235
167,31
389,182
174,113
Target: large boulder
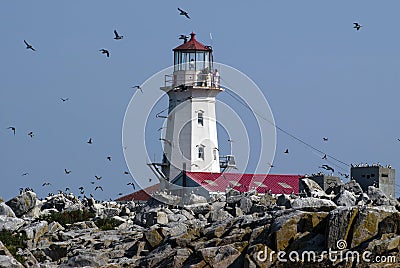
35,231
379,198
312,204
295,225
345,198
196,199
351,186
224,256
6,210
9,262
339,225
156,217
87,259
23,203
10,223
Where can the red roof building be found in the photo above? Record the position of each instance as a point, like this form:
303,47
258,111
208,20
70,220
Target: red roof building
141,195
192,44
262,183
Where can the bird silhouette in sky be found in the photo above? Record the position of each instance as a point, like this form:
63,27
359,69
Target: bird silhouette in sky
97,177
325,139
133,185
67,189
183,37
24,174
270,165
357,26
126,172
98,187
138,87
46,184
12,129
117,36
286,151
324,157
183,13
120,194
150,179
30,134
109,158
67,171
105,51
326,167
28,46
90,141
64,99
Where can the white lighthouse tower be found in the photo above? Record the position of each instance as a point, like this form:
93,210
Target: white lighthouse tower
191,141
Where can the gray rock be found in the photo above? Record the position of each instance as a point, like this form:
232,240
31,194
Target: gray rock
220,215
313,204
201,208
196,199
10,223
6,210
339,223
345,198
379,198
23,203
36,230
165,198
352,186
283,200
9,262
223,256
156,217
246,204
88,259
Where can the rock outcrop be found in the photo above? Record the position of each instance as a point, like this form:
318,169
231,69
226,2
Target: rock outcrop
232,230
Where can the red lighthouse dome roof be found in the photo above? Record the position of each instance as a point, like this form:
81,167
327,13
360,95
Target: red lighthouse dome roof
192,44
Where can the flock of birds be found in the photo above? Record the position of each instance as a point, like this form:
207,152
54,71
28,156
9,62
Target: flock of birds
106,52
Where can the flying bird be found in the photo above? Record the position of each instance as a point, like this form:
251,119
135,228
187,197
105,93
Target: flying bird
117,36
398,139
90,141
24,174
92,182
126,172
46,183
30,134
167,141
67,189
150,179
324,157
270,165
133,185
138,87
286,151
325,139
109,158
357,26
97,177
67,171
120,194
98,187
81,188
326,167
183,37
12,129
105,51
28,46
183,13
64,99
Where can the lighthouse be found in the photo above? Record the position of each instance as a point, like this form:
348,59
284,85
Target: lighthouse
190,142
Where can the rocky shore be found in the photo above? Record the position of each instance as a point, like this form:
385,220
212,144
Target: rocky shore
231,230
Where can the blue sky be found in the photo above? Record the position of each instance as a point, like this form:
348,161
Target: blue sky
321,79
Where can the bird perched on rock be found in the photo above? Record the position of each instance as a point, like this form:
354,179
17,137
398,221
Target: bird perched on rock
357,26
28,46
105,51
183,13
117,36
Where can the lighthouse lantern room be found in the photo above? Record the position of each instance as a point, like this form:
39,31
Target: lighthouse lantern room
191,142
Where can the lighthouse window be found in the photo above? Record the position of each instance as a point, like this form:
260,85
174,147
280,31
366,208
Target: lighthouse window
215,154
200,119
201,152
